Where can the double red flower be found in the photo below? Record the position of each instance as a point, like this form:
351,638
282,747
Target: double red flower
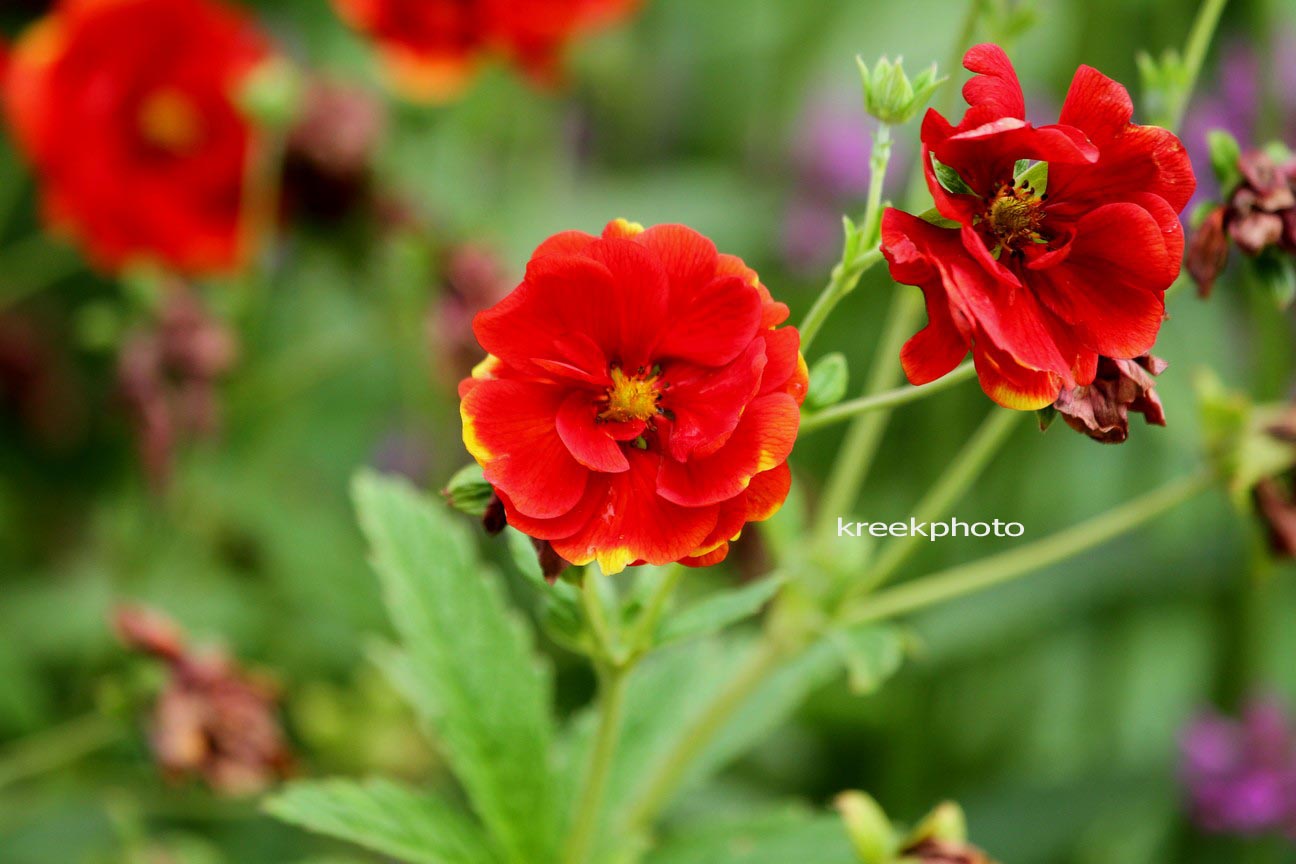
639,402
126,110
432,48
1039,283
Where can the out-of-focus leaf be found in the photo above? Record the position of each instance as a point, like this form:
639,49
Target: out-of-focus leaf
828,380
776,839
491,693
386,818
722,609
872,654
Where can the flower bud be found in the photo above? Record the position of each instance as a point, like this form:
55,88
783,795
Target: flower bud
867,826
468,491
890,96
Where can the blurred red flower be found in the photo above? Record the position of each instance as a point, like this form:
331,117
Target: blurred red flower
432,48
1039,283
126,110
639,402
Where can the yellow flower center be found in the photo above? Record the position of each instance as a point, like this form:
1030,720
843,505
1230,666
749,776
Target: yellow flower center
169,121
630,397
1015,215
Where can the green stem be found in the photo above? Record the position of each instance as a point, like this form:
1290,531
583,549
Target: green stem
673,768
611,708
902,395
1194,56
642,635
878,161
596,617
845,277
54,748
965,468
865,433
1006,566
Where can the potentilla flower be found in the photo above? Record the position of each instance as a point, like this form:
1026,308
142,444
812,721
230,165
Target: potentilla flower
1101,408
639,400
1039,283
126,110
432,48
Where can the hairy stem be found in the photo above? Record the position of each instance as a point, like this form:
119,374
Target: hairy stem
672,770
611,708
1194,56
815,420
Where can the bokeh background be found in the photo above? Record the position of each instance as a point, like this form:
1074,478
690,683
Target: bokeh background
1052,709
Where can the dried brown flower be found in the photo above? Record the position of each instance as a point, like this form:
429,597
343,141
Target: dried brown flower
1101,409
213,719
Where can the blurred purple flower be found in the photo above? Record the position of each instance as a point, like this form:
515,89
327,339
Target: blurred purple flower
1240,775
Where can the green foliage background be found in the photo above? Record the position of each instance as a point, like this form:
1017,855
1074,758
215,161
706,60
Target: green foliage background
1049,708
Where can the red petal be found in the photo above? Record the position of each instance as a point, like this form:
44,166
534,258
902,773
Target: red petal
934,351
782,350
1134,161
1109,288
706,403
638,314
762,440
1011,384
995,85
564,243
767,492
508,427
587,440
634,523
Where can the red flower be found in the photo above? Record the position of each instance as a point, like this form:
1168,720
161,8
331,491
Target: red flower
1038,286
638,404
432,48
125,108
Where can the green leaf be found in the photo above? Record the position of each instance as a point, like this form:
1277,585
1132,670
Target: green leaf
473,657
950,180
772,839
867,826
1036,177
828,380
1045,417
385,818
1224,156
872,654
720,610
934,217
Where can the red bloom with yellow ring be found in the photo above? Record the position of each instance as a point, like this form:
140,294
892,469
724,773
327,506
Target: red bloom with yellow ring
1038,283
126,109
639,400
432,48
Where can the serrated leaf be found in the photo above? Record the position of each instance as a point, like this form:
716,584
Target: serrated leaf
474,657
720,610
777,839
829,379
871,653
386,818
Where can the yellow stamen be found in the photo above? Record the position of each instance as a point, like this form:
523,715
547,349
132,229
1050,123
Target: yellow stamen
168,120
630,398
1015,215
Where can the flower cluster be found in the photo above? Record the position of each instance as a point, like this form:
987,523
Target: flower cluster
213,719
1040,271
127,112
432,48
1259,215
640,400
1240,775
